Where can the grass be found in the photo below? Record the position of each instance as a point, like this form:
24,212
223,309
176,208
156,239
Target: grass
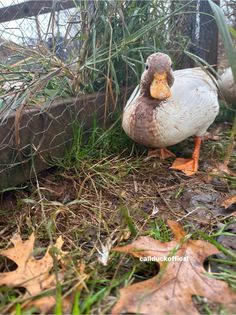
103,195
159,230
97,143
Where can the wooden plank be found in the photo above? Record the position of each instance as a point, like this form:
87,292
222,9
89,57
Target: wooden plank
33,8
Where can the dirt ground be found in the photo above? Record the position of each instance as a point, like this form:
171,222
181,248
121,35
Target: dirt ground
147,186
88,205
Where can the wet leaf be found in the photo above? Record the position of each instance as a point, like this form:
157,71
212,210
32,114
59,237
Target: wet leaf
171,291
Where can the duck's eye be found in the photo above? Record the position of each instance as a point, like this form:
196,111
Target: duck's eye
146,67
171,66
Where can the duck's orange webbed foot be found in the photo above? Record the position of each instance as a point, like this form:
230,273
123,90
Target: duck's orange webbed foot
189,166
160,153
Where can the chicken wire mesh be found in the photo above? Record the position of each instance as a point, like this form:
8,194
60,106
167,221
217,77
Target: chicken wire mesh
38,40
55,28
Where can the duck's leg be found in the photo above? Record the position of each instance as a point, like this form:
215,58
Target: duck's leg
189,166
161,153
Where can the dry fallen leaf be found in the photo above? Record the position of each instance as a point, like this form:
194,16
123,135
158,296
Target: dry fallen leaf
222,169
171,291
228,202
32,274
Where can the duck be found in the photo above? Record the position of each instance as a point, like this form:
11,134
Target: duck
170,106
227,86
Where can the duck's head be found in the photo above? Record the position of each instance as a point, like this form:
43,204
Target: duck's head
157,77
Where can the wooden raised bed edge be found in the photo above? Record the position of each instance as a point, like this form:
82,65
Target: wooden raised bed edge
45,134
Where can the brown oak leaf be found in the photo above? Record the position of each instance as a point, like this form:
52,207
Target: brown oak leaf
31,273
172,289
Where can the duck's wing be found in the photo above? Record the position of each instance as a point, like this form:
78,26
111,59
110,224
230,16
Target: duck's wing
195,99
195,76
190,110
191,83
135,94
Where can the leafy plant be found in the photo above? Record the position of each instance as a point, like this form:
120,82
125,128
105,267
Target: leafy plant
231,55
225,36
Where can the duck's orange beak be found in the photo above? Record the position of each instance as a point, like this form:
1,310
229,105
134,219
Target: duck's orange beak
159,88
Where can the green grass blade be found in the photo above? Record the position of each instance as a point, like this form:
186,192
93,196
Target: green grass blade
128,220
76,309
18,309
225,36
58,307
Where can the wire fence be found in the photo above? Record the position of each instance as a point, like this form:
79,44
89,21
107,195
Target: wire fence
37,40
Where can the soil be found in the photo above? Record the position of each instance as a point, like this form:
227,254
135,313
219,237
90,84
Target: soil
90,199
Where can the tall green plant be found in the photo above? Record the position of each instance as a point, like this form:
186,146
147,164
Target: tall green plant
225,36
123,35
231,56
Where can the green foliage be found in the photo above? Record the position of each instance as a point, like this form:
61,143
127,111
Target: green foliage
128,220
76,308
225,36
123,35
58,307
231,55
18,309
98,143
159,230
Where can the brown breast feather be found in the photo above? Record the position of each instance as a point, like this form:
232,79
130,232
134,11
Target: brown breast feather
143,126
